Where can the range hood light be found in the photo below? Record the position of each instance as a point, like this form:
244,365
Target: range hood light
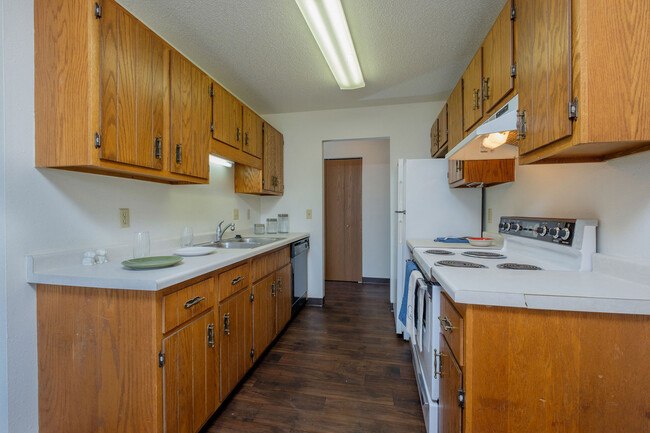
494,140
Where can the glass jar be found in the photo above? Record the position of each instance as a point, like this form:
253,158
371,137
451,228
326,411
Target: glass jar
283,223
259,229
271,225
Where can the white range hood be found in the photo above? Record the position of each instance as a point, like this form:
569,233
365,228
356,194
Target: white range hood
485,141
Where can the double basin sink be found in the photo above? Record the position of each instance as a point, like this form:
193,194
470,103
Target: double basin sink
239,242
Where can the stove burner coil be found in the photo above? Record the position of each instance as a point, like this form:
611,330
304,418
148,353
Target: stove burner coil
439,252
519,267
459,264
484,255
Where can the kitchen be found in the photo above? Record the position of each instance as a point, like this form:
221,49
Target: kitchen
78,209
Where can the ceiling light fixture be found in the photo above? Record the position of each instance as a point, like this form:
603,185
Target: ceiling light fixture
220,161
327,22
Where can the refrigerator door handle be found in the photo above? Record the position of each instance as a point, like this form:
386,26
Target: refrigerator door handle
401,211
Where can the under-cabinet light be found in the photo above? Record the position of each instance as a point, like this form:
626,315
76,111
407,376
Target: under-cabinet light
496,139
327,22
220,161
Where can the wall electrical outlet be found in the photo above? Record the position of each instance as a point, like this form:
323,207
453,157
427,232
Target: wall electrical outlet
125,218
308,214
248,214
489,215
235,214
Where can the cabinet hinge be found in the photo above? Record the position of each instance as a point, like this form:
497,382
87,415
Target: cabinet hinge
98,140
161,359
252,353
513,70
98,11
461,398
212,127
573,109
513,13
252,297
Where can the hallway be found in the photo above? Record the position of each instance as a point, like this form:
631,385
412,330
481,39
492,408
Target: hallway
336,369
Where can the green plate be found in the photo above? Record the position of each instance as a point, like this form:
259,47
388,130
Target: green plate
152,262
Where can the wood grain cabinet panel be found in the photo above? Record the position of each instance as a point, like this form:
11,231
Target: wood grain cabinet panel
265,295
102,85
235,325
182,305
270,179
469,174
440,134
451,384
233,280
283,298
455,116
472,91
498,57
583,53
253,127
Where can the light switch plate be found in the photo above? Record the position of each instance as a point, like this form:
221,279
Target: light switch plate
235,214
125,218
308,214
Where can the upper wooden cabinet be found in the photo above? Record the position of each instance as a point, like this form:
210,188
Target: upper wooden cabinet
582,79
440,134
102,89
236,129
498,59
472,91
455,116
190,118
269,180
471,174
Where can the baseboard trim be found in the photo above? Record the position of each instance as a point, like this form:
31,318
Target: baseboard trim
315,302
376,280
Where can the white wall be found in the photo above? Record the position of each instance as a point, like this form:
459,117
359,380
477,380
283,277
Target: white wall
48,209
4,426
407,126
616,192
375,199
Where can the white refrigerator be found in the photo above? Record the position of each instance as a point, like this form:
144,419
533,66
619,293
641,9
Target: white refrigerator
426,209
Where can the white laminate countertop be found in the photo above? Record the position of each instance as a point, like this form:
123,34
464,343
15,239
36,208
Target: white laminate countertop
614,286
65,268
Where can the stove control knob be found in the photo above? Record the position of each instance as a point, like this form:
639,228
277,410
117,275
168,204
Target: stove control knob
555,232
506,227
564,233
541,230
516,227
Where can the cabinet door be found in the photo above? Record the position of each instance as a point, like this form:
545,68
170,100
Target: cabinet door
544,72
283,300
472,83
190,376
455,116
455,172
226,117
451,386
498,57
264,299
190,118
133,90
434,138
235,319
443,127
252,142
273,160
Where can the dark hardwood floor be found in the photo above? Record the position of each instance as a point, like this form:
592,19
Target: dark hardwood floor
339,368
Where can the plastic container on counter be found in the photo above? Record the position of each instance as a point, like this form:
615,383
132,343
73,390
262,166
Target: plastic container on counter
283,223
271,225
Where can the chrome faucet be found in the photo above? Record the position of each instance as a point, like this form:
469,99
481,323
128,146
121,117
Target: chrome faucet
221,231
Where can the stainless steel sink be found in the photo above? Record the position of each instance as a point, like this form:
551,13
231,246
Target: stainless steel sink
241,242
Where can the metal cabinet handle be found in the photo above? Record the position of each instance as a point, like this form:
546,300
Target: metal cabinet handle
192,302
279,284
226,323
236,280
437,364
246,139
273,288
157,148
179,154
446,324
211,335
521,125
486,88
238,133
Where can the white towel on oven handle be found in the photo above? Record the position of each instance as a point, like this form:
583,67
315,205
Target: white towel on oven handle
421,289
410,304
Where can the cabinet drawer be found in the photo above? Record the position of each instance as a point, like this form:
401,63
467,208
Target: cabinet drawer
283,257
182,305
233,281
451,327
262,266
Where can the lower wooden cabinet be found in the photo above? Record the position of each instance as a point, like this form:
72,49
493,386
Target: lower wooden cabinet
264,299
283,302
542,371
469,174
190,372
235,317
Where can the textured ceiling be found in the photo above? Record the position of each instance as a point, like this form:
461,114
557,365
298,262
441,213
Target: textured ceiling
263,52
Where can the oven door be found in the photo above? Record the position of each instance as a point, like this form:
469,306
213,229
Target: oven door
422,353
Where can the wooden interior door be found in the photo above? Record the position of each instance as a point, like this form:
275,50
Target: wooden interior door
343,253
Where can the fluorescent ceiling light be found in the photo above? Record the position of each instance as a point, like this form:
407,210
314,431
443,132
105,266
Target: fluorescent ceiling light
327,22
220,161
